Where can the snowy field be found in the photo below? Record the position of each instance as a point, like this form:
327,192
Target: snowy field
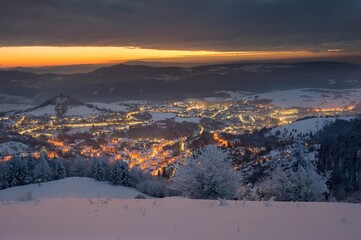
63,213
74,187
306,126
161,116
71,111
116,107
306,97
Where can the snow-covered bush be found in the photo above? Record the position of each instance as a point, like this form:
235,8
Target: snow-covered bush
119,173
79,168
4,175
136,176
295,179
20,174
42,171
154,187
209,175
59,169
99,169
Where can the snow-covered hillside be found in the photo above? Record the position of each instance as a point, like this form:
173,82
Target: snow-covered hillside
71,111
115,107
74,187
64,106
10,148
317,98
161,116
302,128
61,214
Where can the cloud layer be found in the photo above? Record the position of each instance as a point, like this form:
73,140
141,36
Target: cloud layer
227,25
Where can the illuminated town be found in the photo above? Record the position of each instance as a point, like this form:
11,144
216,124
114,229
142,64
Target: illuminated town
155,136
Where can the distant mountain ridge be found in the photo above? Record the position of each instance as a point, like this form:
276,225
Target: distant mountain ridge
61,106
123,82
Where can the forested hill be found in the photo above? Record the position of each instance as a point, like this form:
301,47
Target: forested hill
340,153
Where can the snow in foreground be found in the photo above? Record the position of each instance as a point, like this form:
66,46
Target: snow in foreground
174,218
74,187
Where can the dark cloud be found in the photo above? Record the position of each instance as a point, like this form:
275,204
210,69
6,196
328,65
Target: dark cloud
184,24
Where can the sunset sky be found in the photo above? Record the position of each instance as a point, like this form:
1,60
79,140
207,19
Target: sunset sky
66,32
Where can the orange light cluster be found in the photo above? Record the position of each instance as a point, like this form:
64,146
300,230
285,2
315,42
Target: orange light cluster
166,162
108,149
89,151
154,160
350,108
56,143
51,155
36,155
6,158
219,140
66,150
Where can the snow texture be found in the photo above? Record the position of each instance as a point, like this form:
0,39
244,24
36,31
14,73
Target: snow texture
188,119
305,126
115,107
55,217
74,187
71,111
12,148
160,116
306,97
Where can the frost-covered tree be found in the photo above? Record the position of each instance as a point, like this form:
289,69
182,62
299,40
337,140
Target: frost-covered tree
136,176
59,169
4,175
295,179
119,173
155,187
79,168
99,169
20,174
209,175
31,163
42,171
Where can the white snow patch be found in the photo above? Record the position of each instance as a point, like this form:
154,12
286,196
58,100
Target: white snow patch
305,126
74,187
305,97
161,116
81,111
322,98
12,148
71,111
176,218
189,119
116,107
46,110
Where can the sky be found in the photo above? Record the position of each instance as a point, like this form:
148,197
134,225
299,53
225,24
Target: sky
65,32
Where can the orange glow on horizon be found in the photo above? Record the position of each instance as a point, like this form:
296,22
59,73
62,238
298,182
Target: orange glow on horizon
35,56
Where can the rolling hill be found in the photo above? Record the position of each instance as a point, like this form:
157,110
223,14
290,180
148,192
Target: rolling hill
122,81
